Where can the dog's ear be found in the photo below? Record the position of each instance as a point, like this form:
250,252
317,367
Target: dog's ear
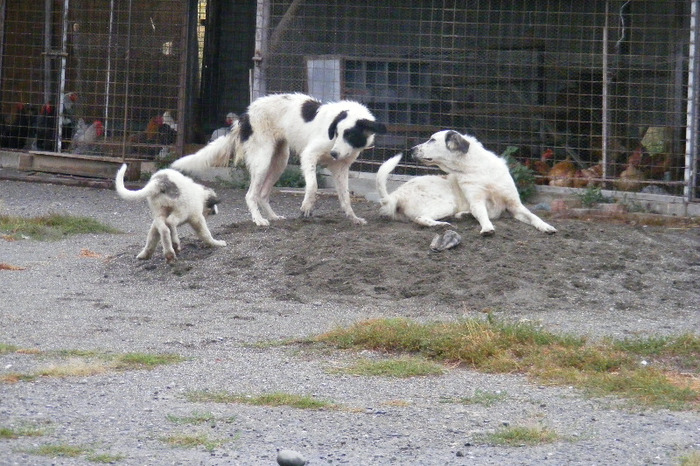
372,126
333,128
456,142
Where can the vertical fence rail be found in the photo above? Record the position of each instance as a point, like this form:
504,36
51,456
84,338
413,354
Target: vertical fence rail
691,151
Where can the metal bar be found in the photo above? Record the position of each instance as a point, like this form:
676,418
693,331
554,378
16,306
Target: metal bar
605,107
691,131
48,23
127,59
62,78
262,23
108,76
182,88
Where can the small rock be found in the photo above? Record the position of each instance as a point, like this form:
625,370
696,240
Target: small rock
290,458
447,240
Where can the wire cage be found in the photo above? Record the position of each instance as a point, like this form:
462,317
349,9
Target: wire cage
584,93
92,78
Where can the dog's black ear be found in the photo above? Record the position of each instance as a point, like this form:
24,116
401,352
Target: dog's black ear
371,126
333,128
456,142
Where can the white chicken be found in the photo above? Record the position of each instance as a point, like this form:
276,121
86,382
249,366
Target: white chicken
85,137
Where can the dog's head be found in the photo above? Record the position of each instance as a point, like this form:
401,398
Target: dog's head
352,132
445,149
211,203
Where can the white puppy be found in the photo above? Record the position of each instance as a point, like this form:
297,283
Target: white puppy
478,182
174,199
327,134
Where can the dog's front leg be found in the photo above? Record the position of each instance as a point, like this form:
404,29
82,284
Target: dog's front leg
199,225
481,214
340,172
308,163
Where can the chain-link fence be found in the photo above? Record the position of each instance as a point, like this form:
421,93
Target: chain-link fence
92,78
581,92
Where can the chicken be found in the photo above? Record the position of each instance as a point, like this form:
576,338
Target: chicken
541,167
46,128
562,174
168,120
157,134
631,178
588,176
16,128
231,118
69,122
85,137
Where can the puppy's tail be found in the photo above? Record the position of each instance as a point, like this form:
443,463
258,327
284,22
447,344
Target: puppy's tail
126,193
215,154
388,202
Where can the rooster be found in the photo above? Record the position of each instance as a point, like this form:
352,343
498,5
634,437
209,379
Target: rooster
16,128
231,118
541,167
85,136
160,131
69,122
46,128
631,178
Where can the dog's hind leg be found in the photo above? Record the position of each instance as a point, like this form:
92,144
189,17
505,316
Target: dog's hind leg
199,225
165,232
258,161
275,170
151,242
429,222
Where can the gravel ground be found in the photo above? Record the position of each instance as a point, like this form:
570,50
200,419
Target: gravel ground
299,278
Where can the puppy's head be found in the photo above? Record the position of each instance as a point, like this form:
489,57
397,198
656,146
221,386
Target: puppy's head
445,149
351,134
211,203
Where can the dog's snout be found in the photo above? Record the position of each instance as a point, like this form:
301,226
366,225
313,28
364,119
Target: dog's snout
335,154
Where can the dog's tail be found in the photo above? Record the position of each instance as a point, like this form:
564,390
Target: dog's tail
215,154
128,194
388,202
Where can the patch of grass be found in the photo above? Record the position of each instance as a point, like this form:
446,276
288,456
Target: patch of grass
82,363
105,458
7,349
603,368
51,227
520,436
58,450
401,367
15,433
594,195
484,398
691,459
267,399
193,441
197,418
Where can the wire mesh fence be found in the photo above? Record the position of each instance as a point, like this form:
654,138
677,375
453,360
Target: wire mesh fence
603,92
581,92
92,78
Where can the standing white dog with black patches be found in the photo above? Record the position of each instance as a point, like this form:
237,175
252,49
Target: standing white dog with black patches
477,182
174,199
322,134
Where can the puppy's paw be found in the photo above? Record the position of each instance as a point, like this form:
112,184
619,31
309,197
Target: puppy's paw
489,232
358,220
549,229
170,257
219,243
144,255
261,222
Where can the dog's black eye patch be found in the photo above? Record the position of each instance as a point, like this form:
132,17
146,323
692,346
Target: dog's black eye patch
309,109
246,129
333,128
356,137
211,203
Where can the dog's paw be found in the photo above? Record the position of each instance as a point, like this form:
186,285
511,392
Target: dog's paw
549,229
358,220
219,243
490,232
144,255
170,257
261,222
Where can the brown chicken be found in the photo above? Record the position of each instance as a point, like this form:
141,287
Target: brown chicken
562,174
541,167
631,178
588,176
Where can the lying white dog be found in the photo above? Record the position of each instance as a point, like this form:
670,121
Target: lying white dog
328,134
174,199
478,182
